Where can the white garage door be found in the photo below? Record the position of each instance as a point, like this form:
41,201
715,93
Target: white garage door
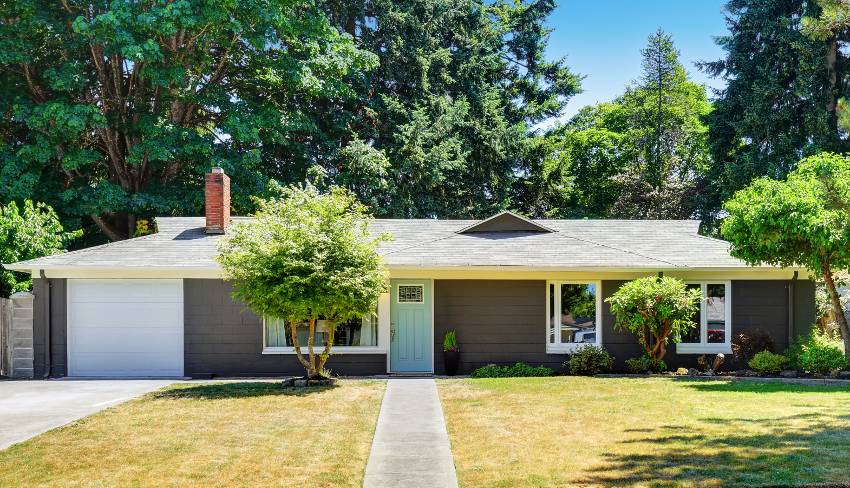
125,327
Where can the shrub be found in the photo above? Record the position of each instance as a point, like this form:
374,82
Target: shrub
746,344
794,350
646,364
819,353
589,360
766,362
662,308
517,370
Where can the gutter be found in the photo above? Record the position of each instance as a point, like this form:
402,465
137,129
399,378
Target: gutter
792,295
48,359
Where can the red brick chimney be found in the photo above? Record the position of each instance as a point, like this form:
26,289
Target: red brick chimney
217,201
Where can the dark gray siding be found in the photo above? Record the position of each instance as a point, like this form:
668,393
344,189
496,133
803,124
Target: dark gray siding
755,304
504,321
805,310
223,338
59,313
498,321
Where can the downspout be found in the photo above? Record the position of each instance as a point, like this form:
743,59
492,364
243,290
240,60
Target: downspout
792,295
48,363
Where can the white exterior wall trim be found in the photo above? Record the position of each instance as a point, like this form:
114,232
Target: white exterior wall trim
461,273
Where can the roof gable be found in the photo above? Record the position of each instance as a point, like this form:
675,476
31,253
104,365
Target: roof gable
505,222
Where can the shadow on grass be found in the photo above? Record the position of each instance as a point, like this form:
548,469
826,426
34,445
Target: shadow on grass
759,387
242,389
789,451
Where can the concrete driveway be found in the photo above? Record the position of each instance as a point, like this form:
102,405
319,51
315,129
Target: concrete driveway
28,408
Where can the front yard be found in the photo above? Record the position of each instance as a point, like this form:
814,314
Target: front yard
554,432
220,434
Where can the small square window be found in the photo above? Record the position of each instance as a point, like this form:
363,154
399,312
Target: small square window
410,294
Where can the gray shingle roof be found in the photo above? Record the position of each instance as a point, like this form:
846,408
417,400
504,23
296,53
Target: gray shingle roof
575,244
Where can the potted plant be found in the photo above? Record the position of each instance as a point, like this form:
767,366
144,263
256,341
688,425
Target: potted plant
451,353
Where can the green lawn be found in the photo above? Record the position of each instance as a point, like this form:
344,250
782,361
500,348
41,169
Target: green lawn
563,431
222,434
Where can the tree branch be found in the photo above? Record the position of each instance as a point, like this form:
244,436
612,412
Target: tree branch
110,232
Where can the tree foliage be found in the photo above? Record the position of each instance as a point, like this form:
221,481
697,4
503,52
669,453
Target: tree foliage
803,220
656,310
116,109
781,100
445,118
639,156
28,232
306,255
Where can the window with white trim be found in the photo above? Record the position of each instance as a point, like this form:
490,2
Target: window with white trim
573,311
362,332
713,331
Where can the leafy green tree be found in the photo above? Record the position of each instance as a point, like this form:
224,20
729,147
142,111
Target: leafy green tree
639,156
113,110
801,221
445,119
29,232
306,255
783,87
656,310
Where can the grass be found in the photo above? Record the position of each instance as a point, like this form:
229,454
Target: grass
219,434
578,431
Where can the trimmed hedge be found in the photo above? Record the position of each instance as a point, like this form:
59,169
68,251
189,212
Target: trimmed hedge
515,371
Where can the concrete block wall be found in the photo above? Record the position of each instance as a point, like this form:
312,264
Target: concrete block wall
18,324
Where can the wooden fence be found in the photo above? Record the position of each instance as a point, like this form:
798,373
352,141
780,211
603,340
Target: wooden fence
16,336
5,337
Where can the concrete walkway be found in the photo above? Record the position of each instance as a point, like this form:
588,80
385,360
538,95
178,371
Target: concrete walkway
411,446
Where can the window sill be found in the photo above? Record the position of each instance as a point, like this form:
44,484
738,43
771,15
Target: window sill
703,348
334,350
567,348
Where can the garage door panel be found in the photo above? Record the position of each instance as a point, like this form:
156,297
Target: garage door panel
127,290
121,339
125,327
121,364
120,314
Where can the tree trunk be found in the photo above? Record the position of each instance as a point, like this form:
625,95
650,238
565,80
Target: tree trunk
293,332
326,354
835,301
832,89
311,370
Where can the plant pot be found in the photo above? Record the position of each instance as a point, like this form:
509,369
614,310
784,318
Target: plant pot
451,360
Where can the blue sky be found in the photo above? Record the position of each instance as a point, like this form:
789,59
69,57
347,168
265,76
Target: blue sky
602,40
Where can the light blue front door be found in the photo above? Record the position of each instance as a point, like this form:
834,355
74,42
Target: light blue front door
411,347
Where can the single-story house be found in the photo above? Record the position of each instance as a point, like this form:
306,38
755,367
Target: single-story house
514,289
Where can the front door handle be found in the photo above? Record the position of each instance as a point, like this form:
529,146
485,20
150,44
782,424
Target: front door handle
392,331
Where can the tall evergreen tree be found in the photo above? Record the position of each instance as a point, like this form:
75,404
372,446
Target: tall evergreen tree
781,97
661,71
443,124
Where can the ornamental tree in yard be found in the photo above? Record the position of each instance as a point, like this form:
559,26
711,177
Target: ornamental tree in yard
306,255
29,232
802,221
656,310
